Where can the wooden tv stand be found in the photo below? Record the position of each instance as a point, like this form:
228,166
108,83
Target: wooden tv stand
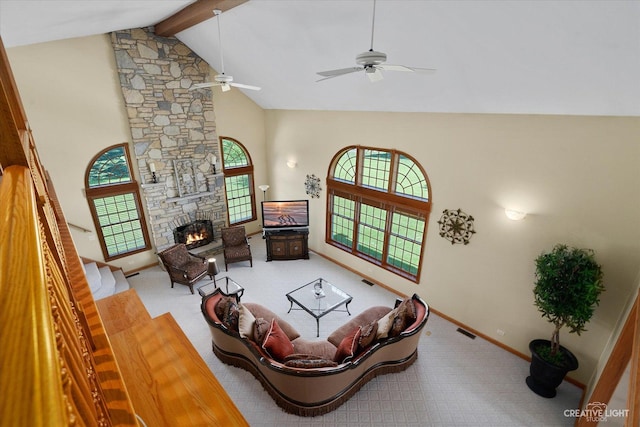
287,244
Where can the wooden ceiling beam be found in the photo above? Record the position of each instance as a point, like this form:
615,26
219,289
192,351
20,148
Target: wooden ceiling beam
193,14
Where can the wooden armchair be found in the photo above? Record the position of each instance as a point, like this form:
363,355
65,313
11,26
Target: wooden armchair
236,245
183,267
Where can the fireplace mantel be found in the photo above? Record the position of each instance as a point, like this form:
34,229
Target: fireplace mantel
190,196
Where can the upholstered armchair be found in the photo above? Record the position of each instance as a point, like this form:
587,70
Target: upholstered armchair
236,246
183,267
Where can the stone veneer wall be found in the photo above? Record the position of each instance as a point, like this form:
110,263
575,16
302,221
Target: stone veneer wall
169,122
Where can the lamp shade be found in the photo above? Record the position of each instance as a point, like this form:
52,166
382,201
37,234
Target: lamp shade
212,267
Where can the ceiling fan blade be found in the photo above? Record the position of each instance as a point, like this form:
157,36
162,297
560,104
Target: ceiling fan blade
391,67
339,72
203,85
243,86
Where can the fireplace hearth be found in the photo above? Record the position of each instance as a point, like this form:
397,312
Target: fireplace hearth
194,234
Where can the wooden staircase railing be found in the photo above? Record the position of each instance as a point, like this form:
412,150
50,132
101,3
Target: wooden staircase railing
58,367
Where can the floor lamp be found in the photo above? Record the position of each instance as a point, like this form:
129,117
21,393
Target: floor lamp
264,188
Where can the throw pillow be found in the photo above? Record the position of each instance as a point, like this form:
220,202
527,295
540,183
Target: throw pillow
232,317
311,363
368,334
260,329
276,343
246,323
223,306
348,347
406,314
385,323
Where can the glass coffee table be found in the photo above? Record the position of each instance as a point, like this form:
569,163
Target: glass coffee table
227,287
318,298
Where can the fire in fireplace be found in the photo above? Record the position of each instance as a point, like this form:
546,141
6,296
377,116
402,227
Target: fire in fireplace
194,234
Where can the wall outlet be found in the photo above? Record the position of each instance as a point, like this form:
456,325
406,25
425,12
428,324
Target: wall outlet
500,332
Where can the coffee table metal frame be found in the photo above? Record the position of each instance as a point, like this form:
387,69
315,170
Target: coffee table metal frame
227,287
318,298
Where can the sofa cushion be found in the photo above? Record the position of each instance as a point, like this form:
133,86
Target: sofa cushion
385,323
397,320
323,349
260,311
222,306
227,311
367,316
311,363
368,334
276,343
406,314
260,329
348,347
232,317
246,323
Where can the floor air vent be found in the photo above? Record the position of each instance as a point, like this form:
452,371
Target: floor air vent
466,333
367,282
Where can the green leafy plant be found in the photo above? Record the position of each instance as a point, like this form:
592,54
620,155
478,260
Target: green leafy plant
567,290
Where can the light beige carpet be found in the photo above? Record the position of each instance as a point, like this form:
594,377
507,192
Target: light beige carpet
456,381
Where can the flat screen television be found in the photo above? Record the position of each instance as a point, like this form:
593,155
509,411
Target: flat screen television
285,215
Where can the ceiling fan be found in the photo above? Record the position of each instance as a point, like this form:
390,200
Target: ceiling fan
224,81
372,62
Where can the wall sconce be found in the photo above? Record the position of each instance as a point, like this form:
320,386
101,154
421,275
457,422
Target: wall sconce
292,164
264,188
515,215
212,270
152,168
214,160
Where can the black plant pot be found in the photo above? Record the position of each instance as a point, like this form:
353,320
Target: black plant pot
546,377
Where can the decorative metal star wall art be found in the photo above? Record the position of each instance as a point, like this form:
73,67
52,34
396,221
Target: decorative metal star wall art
456,226
312,185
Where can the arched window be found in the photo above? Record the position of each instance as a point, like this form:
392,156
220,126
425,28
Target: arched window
238,181
378,205
114,201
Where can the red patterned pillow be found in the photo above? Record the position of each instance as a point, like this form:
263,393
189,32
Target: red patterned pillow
348,347
276,343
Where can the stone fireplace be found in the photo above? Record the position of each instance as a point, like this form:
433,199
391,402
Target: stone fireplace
173,132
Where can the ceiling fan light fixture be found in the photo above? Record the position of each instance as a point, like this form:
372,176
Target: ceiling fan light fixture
224,81
371,57
371,61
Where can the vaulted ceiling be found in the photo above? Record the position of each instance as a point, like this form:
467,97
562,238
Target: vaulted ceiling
531,57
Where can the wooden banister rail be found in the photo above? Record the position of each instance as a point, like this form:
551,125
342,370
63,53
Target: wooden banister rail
58,367
30,380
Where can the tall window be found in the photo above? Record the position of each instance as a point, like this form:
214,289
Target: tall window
238,181
378,208
115,206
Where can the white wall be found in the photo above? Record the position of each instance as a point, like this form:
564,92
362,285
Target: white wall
575,176
74,105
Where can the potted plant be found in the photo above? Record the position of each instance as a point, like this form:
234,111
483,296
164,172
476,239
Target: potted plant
567,290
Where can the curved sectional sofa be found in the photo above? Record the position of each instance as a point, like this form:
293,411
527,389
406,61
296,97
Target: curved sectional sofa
319,375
